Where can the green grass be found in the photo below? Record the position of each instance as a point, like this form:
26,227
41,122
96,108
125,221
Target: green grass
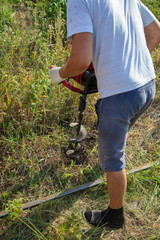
34,133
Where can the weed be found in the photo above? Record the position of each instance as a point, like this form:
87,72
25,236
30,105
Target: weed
14,207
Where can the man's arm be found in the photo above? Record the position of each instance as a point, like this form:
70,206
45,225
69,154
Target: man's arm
80,57
152,33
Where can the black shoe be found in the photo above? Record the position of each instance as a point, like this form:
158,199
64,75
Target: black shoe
112,218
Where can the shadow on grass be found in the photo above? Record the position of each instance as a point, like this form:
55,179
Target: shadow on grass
53,220
44,217
41,217
95,233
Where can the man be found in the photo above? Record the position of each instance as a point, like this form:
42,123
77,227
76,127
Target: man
117,36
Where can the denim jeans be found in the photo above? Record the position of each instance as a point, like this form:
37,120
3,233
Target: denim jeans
116,115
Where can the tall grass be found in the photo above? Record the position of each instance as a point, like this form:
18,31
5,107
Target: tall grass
28,101
30,107
33,36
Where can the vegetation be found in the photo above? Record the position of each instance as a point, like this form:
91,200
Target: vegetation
34,133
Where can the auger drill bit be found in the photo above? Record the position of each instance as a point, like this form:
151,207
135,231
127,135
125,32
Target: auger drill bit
81,131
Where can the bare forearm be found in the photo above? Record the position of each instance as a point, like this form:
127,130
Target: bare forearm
152,33
152,43
81,56
73,67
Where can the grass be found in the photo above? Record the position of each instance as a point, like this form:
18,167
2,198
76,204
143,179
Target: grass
34,119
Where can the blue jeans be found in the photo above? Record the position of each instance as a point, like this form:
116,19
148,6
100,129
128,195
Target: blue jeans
116,115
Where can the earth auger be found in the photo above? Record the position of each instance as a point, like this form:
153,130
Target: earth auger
89,82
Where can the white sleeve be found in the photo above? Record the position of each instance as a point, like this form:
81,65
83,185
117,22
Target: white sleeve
147,15
78,18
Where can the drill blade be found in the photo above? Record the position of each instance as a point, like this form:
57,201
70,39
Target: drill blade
74,152
73,124
80,137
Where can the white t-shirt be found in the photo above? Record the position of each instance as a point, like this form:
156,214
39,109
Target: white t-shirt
121,58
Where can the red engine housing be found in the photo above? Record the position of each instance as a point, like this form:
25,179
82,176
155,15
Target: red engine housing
80,79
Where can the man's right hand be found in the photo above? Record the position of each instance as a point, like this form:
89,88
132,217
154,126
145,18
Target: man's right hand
54,75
